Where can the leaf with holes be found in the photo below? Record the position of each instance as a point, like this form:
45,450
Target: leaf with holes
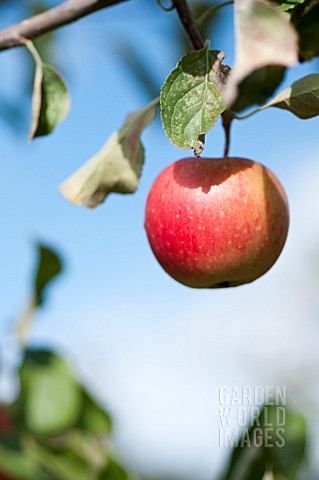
191,98
117,167
50,99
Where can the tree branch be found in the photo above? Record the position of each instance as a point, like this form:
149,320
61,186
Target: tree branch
189,25
45,22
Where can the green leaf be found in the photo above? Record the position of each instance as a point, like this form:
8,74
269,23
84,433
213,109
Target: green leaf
265,37
114,471
86,447
191,99
301,99
288,458
290,5
249,464
49,266
305,17
247,461
18,465
258,87
62,465
117,167
275,442
94,418
50,99
50,396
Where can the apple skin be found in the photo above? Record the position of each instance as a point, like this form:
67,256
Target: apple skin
215,223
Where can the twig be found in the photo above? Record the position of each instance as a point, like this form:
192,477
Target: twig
25,321
210,12
45,22
250,114
189,24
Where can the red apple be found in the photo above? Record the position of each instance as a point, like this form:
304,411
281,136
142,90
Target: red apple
216,222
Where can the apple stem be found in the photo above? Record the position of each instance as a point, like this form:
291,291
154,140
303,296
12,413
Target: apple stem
227,119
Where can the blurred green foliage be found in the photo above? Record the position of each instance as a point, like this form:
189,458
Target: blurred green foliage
55,429
273,446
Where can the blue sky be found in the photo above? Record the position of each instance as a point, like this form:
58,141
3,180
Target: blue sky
154,351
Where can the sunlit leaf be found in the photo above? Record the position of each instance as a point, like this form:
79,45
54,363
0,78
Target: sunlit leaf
301,99
50,396
191,98
290,5
117,167
50,99
265,37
